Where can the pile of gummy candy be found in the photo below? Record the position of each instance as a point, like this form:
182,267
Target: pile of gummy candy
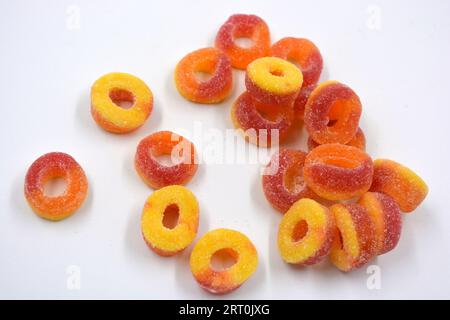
335,200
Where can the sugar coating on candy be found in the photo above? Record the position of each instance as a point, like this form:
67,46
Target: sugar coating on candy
358,141
338,172
51,166
118,86
243,26
304,54
305,233
273,80
158,175
229,279
263,125
354,243
332,113
386,217
300,102
210,61
170,241
400,182
283,182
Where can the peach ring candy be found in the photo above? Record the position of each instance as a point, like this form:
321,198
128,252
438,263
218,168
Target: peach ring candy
304,54
243,26
170,220
305,233
300,102
156,173
354,243
358,141
338,172
263,125
283,182
386,217
51,166
111,91
222,246
332,113
273,80
400,182
209,61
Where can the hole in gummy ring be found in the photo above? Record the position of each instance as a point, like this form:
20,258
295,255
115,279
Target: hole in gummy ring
55,187
277,73
244,42
170,216
331,123
122,98
223,259
341,240
203,76
293,179
300,230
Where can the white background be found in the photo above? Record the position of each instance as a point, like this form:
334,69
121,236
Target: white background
394,54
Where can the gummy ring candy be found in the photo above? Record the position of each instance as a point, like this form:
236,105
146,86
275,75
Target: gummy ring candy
115,87
386,217
400,182
243,26
226,242
283,182
51,166
304,54
305,233
158,175
169,240
332,113
300,102
273,81
358,141
210,61
338,172
354,243
262,124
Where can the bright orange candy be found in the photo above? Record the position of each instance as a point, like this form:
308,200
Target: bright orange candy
338,172
386,217
165,143
243,26
114,88
304,54
400,182
168,240
223,242
305,233
332,113
274,81
209,61
300,102
263,125
51,166
283,182
358,141
354,242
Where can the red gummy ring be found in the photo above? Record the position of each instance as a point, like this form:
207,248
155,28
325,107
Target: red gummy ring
302,99
243,26
52,166
158,175
263,125
210,61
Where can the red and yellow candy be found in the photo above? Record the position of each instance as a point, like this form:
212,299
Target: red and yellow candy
358,141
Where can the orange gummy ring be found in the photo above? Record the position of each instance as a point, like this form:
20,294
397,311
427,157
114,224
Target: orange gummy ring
305,233
332,113
119,87
158,175
263,125
164,240
273,81
283,182
358,141
338,172
354,242
243,26
400,182
228,242
52,166
304,54
210,61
